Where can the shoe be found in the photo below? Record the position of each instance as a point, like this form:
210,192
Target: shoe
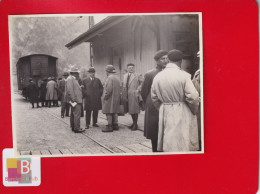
130,127
107,129
115,127
79,131
95,125
87,127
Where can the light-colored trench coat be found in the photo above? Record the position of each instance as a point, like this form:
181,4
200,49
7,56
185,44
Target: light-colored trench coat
132,96
111,95
174,94
51,93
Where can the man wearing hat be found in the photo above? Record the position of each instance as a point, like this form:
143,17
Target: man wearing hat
151,113
111,99
65,107
131,86
74,97
177,100
32,92
92,92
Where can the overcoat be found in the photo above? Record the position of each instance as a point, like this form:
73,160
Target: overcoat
43,90
51,93
174,94
32,92
73,90
92,93
151,117
132,93
111,95
61,89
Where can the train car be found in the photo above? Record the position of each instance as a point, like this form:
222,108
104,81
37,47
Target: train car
37,67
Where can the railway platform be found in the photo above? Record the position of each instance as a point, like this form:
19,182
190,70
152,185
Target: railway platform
41,131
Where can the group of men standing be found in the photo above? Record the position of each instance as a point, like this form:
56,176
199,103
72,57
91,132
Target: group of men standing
47,93
171,105
171,101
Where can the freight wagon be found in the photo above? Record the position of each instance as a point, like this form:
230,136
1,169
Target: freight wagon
37,67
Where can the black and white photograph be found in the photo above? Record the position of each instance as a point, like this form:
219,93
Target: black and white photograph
106,84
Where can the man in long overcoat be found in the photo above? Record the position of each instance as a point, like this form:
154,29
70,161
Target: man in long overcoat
33,92
51,94
65,106
74,97
43,91
131,86
92,92
151,113
177,100
111,99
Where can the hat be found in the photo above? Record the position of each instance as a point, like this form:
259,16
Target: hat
175,55
159,54
30,79
91,70
74,70
130,64
49,78
110,69
65,74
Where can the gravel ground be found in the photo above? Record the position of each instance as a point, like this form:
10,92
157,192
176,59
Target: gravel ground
43,129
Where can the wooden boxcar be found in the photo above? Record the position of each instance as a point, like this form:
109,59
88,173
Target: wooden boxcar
37,67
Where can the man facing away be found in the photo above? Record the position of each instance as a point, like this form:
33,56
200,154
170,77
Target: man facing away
65,107
177,100
111,99
74,97
131,83
92,92
33,92
51,94
151,113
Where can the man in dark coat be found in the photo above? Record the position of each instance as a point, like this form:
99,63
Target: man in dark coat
65,107
151,113
43,91
33,92
111,99
92,92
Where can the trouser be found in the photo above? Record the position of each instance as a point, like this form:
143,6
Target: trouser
75,117
94,116
44,103
154,144
82,111
36,103
65,108
134,118
112,118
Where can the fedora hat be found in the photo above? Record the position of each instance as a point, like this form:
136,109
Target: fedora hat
74,70
91,70
65,74
110,69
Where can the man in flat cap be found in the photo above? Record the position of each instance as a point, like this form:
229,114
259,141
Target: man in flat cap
151,113
111,99
92,92
33,92
131,90
65,107
74,97
177,100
